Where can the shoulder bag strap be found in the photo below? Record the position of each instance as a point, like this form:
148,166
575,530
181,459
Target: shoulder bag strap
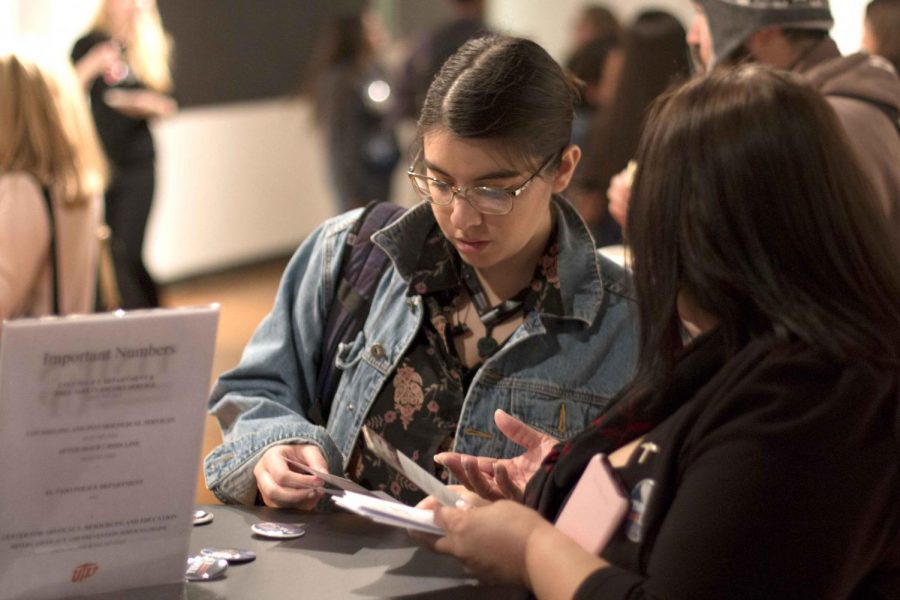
54,265
362,266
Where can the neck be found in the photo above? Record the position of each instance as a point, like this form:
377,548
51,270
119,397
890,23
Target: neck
504,280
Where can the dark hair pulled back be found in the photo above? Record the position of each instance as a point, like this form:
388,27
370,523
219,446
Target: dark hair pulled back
504,89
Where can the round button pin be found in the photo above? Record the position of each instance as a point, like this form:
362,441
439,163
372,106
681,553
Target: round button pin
232,555
205,568
201,517
278,530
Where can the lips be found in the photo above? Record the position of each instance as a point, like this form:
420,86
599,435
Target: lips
470,246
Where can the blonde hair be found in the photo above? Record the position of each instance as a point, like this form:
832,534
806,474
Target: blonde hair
149,50
47,131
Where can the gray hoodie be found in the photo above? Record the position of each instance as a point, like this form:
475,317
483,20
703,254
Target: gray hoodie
863,89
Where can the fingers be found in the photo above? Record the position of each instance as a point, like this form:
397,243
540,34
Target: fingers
478,483
517,431
452,461
429,503
282,487
445,518
310,455
506,485
278,496
619,194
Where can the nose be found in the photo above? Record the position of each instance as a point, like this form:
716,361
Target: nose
463,215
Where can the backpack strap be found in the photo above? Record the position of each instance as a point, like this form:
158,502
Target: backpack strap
54,266
362,266
891,112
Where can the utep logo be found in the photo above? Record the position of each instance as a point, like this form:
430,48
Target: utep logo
84,571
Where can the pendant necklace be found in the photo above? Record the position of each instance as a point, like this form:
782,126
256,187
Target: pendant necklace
490,316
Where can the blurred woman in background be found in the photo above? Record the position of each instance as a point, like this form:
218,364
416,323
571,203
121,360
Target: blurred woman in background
596,65
352,104
124,63
655,57
52,175
881,30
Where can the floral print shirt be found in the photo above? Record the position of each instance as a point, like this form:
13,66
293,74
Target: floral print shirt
418,408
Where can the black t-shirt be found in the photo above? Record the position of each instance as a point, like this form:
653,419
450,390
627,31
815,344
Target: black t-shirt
127,140
774,475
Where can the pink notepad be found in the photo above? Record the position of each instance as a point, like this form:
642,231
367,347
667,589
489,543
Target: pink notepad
595,507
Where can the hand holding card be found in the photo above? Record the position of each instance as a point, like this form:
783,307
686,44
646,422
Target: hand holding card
404,465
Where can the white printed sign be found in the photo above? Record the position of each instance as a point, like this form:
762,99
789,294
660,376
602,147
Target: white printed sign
101,426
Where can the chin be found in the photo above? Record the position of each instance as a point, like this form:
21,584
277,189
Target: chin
479,262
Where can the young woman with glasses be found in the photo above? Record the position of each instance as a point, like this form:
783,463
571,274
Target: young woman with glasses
494,299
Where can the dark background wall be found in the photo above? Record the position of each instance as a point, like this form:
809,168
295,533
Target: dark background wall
237,50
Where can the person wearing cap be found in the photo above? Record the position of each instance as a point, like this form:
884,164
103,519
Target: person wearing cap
862,89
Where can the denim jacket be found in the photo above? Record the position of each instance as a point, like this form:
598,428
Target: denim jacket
556,372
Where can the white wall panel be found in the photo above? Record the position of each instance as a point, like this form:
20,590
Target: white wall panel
236,183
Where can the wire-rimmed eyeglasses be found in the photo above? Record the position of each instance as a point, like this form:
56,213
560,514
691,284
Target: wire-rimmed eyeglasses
486,200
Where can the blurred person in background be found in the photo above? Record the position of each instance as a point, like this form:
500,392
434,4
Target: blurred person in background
52,176
594,22
124,62
655,57
429,52
353,100
863,90
596,61
881,30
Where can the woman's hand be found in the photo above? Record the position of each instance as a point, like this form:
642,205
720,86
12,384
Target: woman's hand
280,486
491,541
494,478
469,500
619,194
509,543
97,60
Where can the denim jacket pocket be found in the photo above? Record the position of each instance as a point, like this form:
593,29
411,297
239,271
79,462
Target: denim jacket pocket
349,354
557,412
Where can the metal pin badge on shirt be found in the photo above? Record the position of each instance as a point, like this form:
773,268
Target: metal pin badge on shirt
278,530
202,517
205,568
640,498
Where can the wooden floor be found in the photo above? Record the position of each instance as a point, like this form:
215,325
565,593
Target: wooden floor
245,295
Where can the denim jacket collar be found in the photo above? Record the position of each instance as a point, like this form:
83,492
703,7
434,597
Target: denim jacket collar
581,286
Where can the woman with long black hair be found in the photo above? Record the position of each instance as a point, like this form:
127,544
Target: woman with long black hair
758,445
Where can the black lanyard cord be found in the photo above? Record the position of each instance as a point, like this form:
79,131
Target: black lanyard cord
490,316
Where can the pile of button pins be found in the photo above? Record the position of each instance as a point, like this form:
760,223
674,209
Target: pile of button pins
212,563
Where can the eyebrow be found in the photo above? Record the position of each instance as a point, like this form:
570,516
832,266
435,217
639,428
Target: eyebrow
500,174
